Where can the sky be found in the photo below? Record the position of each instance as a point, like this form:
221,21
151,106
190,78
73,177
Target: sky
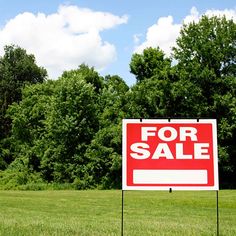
100,33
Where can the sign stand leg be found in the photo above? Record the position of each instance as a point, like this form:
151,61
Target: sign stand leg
217,212
122,214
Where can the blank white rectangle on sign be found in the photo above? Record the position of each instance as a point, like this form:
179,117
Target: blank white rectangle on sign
170,176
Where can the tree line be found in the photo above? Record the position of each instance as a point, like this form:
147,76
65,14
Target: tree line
68,131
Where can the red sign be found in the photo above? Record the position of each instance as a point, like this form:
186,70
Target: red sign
177,154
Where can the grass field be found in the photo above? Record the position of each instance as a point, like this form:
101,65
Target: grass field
97,212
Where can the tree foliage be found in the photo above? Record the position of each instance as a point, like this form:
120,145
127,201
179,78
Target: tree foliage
206,54
201,83
69,130
209,47
151,62
17,68
53,125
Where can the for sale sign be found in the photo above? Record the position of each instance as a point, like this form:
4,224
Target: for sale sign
163,154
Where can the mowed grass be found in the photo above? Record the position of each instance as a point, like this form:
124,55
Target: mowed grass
95,212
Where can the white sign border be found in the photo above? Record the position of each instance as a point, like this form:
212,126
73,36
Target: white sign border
175,121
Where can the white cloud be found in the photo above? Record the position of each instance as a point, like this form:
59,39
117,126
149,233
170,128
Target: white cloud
136,38
194,16
162,34
230,14
165,32
65,39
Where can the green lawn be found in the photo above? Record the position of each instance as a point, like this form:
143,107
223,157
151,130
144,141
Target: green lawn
97,212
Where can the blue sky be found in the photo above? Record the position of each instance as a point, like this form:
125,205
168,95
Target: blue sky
100,33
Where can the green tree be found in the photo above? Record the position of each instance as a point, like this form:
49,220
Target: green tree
207,45
71,125
88,74
149,98
151,62
104,152
206,56
201,82
52,127
17,68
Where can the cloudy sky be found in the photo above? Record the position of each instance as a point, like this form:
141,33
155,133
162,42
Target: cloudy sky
101,33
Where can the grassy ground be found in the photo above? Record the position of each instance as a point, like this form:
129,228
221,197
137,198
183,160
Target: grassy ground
99,213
